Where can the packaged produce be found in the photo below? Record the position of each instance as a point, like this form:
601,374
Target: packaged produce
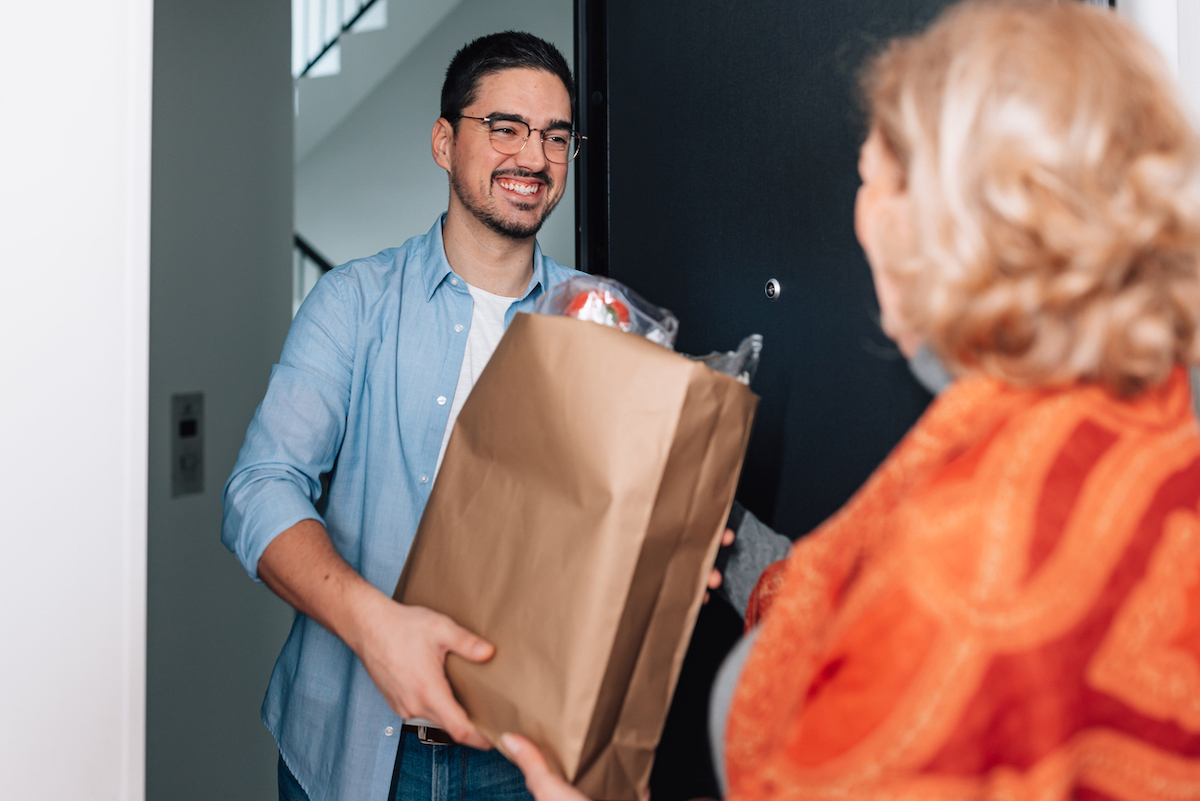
611,303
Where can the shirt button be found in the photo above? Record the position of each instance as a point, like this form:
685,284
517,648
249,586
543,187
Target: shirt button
458,328
424,479
441,400
454,282
389,731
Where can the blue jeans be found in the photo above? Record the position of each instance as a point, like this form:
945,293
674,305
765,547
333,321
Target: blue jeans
438,773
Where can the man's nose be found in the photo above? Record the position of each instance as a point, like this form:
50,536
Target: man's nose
533,156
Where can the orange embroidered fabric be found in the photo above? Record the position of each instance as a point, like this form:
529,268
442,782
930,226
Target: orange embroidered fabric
763,595
1008,609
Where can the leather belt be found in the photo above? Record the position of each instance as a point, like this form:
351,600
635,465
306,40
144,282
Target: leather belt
429,735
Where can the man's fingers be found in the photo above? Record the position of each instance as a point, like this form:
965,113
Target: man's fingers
458,640
476,741
714,579
446,712
727,537
433,693
462,730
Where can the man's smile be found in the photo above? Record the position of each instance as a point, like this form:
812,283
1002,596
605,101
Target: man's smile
519,186
523,184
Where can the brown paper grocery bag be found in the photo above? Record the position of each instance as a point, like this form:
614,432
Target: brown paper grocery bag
573,524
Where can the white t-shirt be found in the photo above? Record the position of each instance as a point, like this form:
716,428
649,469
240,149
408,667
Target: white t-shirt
487,326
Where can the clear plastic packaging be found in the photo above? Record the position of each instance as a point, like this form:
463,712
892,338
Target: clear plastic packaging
741,363
602,300
611,303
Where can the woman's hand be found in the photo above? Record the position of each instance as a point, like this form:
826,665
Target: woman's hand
540,780
715,578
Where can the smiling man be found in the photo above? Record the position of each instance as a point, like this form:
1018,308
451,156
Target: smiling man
373,373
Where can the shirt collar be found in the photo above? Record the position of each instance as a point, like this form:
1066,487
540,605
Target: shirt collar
437,268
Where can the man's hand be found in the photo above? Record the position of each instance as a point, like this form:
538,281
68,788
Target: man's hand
540,780
715,578
402,647
404,651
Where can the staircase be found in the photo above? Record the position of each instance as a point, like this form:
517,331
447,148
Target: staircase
342,49
318,27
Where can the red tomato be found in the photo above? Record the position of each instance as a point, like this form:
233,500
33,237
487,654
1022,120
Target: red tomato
616,312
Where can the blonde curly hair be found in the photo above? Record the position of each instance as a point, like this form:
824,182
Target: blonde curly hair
1053,176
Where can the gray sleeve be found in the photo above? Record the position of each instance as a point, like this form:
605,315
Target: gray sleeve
927,368
754,548
721,699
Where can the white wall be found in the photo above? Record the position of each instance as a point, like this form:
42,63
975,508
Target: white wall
74,220
220,307
1189,51
373,184
1174,26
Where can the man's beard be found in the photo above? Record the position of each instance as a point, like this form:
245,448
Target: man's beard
488,217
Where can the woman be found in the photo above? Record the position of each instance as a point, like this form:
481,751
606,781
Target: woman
1010,607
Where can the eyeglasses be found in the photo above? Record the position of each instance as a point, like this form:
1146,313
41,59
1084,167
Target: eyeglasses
509,137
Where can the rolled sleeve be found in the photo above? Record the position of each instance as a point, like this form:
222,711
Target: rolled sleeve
297,430
755,548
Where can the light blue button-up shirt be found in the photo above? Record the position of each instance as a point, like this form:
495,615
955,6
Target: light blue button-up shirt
373,347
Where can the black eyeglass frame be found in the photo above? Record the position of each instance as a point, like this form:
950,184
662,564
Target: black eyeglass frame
577,138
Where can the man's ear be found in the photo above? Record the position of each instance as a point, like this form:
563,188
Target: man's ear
442,142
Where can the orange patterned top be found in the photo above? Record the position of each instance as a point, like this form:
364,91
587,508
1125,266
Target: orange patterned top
1008,609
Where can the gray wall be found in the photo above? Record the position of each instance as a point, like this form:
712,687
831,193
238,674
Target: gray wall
373,183
221,221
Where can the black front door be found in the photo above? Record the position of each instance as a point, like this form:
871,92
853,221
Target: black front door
729,160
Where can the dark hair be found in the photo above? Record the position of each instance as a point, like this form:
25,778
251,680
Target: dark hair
494,53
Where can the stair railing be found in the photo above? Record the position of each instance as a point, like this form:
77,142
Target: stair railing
322,23
308,265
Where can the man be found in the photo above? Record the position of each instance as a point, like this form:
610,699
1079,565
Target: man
377,364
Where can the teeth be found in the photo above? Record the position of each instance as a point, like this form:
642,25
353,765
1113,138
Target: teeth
520,189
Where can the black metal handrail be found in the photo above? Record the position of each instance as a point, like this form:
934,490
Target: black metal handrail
308,266
363,7
311,253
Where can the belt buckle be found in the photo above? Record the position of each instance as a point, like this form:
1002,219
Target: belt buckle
423,736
